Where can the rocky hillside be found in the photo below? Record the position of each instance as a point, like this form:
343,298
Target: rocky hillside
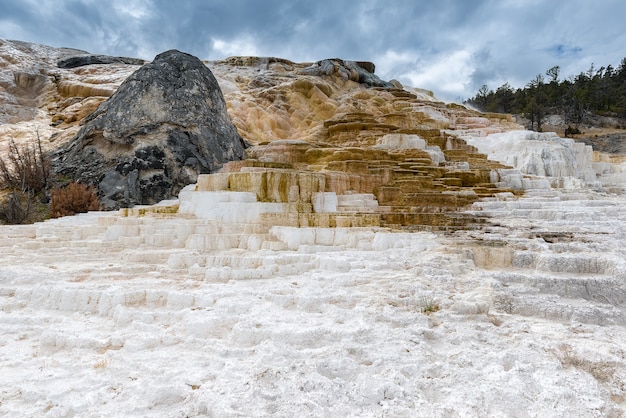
400,146
367,135
267,98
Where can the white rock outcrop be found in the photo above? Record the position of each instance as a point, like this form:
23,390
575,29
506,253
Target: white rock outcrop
561,161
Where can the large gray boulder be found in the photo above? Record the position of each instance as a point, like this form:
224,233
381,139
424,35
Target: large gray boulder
165,125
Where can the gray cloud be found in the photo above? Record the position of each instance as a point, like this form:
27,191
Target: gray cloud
450,46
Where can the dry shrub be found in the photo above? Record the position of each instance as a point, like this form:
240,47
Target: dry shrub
25,175
25,168
17,207
72,199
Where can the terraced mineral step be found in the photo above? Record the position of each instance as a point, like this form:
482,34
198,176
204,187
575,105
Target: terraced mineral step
551,269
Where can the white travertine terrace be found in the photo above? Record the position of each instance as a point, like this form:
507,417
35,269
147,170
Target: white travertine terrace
193,311
553,161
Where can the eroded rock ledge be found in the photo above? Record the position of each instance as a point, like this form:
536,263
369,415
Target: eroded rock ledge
90,59
359,71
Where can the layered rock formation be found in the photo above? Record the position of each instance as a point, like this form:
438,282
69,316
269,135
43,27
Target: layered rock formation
367,136
164,126
328,105
383,149
38,97
24,84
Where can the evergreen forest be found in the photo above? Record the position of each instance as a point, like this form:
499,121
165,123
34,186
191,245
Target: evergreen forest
597,91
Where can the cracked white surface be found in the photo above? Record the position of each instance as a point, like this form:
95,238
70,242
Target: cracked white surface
96,323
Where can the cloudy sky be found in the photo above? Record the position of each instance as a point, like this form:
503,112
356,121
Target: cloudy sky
449,46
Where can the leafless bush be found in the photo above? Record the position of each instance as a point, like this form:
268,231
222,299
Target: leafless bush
72,199
17,207
25,168
25,172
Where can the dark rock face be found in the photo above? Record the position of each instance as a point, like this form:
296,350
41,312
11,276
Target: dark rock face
166,124
89,59
359,71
